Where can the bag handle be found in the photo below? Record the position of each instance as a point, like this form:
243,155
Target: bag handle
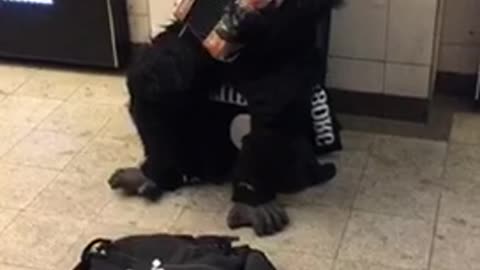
96,247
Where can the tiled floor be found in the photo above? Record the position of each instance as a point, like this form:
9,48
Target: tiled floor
397,203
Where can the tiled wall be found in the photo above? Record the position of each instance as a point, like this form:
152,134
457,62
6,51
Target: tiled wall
147,17
383,47
460,42
139,16
377,46
161,13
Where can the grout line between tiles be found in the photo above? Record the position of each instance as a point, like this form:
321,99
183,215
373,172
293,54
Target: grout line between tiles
83,83
34,198
394,216
88,220
342,236
60,171
434,233
16,143
351,208
387,39
20,211
27,80
378,61
89,141
33,129
97,134
74,243
445,162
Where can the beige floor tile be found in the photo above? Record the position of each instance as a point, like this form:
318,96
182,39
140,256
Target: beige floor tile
84,120
12,77
395,156
46,149
209,223
460,203
298,261
463,162
51,84
466,128
317,229
95,231
10,135
357,140
137,212
103,90
403,196
6,217
120,126
20,185
339,192
456,246
106,155
350,265
387,240
74,195
25,111
114,232
209,198
11,267
39,241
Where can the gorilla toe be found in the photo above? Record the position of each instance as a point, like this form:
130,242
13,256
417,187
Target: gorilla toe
133,182
267,219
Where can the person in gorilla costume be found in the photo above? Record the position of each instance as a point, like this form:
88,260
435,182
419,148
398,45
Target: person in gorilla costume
274,72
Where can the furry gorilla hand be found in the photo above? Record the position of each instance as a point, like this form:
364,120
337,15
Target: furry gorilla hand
266,219
133,182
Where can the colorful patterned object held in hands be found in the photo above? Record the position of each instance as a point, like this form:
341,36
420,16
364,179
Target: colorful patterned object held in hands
219,31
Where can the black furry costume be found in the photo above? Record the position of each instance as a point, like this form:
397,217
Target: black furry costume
168,89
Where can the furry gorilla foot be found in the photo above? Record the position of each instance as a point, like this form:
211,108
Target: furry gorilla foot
266,219
133,182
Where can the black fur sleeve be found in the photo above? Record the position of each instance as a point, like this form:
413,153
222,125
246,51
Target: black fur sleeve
169,65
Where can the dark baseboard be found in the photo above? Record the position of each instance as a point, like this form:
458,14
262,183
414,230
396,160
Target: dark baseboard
456,84
382,106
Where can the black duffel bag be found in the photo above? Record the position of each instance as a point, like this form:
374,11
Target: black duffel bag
171,252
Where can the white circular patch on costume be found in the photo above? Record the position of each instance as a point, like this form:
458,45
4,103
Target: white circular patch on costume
239,127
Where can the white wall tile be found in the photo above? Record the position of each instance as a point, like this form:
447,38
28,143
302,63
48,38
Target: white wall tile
355,75
411,31
459,59
407,80
138,7
161,13
139,29
359,29
461,22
